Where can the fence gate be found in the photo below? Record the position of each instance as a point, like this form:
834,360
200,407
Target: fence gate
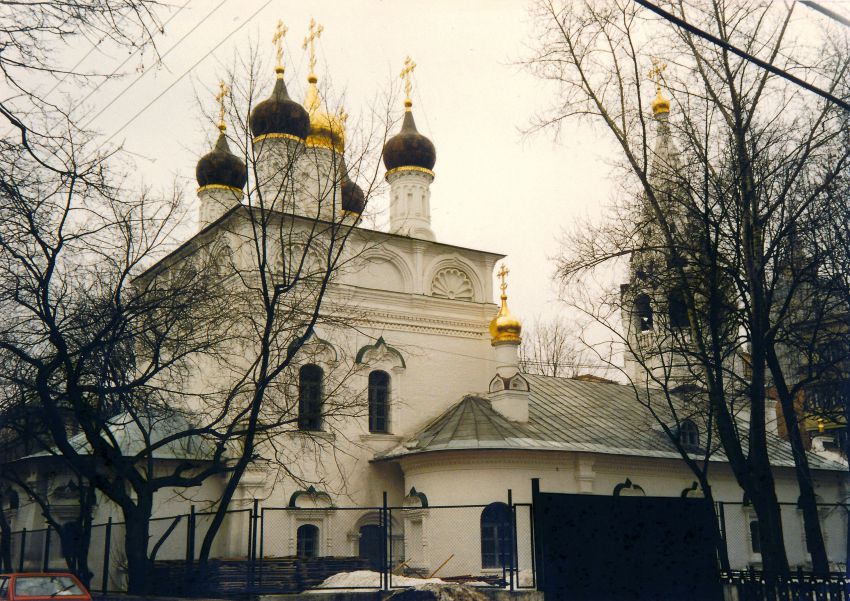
601,548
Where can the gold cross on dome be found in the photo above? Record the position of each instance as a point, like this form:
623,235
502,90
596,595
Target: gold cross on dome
223,91
657,73
343,116
315,33
405,74
277,40
502,274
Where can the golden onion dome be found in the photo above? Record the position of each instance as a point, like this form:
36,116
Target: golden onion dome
505,328
660,105
326,131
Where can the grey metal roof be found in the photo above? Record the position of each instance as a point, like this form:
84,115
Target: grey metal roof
130,438
572,415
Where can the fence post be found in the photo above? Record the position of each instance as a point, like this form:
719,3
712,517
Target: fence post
255,517
107,543
724,546
46,559
385,575
512,529
539,572
23,549
190,536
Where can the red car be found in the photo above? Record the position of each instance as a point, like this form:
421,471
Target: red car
42,586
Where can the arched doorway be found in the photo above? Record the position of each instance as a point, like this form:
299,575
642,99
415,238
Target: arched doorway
371,545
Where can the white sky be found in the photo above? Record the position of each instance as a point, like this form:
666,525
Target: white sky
495,189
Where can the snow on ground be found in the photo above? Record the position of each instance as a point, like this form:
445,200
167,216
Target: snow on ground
369,579
361,579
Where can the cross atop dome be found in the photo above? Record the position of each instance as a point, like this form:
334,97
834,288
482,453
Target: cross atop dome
223,92
502,274
315,32
660,105
406,73
277,40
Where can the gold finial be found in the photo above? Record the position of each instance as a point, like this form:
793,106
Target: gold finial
223,91
821,425
502,275
505,328
277,40
656,74
343,117
310,40
405,74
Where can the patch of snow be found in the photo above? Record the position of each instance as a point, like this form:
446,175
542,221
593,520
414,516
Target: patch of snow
368,579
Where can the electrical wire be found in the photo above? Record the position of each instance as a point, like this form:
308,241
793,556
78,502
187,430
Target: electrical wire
825,11
186,72
100,41
137,79
681,23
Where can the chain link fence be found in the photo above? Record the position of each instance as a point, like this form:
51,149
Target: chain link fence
740,529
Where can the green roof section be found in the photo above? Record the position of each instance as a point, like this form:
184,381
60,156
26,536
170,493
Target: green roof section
573,415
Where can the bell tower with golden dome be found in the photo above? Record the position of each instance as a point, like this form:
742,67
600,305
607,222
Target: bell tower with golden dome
508,391
409,158
654,314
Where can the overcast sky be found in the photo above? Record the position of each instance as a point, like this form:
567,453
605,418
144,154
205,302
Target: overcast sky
495,188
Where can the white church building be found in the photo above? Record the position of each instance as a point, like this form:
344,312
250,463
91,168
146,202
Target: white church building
446,416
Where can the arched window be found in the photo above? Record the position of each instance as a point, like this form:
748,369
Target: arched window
643,310
310,397
689,434
379,402
308,541
755,536
677,310
495,535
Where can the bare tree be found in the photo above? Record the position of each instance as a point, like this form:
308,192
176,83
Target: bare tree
714,212
173,365
553,348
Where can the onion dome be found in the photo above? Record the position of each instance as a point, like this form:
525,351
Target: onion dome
353,199
326,131
279,116
221,167
409,148
505,328
660,105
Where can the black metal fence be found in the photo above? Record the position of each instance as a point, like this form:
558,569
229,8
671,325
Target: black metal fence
754,585
287,549
284,549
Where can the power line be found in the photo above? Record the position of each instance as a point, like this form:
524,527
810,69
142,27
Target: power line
185,73
126,60
825,11
745,55
135,81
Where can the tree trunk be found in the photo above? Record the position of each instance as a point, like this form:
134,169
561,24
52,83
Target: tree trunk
136,538
808,500
773,556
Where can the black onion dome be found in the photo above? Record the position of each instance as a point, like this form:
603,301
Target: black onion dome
409,148
221,167
353,199
279,114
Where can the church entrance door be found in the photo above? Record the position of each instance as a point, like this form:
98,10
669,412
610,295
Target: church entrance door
371,545
606,548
